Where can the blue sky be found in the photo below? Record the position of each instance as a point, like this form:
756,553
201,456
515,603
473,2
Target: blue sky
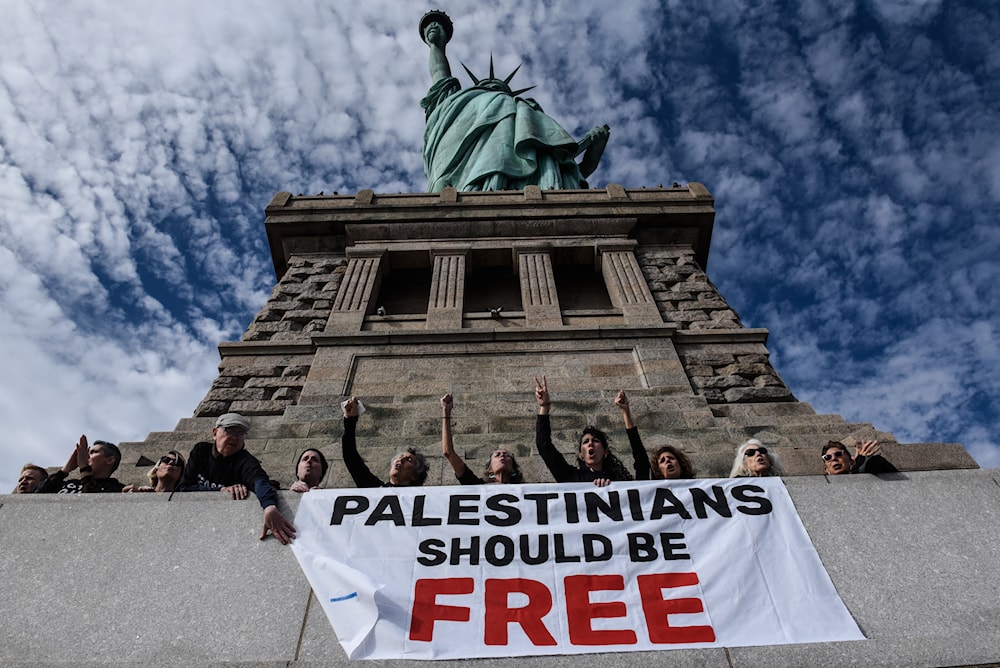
852,149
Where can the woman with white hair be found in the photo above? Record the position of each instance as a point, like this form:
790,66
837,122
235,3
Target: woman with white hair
754,461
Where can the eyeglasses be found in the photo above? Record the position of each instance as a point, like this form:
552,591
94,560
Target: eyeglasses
169,460
234,430
833,454
750,452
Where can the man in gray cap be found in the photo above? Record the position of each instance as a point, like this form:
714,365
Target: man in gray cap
226,466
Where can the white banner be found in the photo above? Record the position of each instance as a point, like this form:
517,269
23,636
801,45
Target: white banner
514,570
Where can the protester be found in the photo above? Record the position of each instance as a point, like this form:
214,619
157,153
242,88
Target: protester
31,477
408,468
670,463
309,471
667,463
754,461
226,466
96,464
502,468
595,462
867,458
165,476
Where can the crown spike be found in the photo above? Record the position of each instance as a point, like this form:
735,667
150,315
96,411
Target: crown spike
515,93
511,76
492,76
472,76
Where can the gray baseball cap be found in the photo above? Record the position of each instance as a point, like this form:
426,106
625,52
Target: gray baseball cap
233,420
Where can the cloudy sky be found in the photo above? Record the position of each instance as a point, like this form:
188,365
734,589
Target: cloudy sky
852,148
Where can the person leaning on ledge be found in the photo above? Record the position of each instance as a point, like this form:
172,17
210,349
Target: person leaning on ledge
31,477
164,477
867,458
96,464
225,466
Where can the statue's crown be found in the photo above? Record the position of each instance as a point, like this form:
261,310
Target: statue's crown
493,83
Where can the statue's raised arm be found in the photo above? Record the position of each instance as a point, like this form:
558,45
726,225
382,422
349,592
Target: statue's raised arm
486,137
436,30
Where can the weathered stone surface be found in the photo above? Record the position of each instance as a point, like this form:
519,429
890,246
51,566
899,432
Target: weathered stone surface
233,394
719,382
296,336
273,383
228,381
685,317
249,407
745,370
766,379
301,302
769,393
211,408
715,358
752,359
271,327
244,371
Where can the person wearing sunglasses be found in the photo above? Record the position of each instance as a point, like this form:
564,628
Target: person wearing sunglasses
754,461
501,469
163,477
867,458
96,464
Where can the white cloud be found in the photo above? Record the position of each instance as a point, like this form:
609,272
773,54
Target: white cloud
906,11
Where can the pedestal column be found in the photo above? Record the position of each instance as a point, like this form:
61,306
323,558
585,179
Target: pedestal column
447,298
539,298
353,301
627,286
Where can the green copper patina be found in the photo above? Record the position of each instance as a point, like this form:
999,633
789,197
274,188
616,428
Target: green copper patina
487,138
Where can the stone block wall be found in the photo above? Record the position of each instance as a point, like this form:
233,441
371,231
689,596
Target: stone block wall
256,385
682,291
697,378
300,303
733,374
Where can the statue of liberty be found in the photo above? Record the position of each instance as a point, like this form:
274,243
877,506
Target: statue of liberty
487,138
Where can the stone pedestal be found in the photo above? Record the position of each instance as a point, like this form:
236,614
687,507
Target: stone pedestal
399,299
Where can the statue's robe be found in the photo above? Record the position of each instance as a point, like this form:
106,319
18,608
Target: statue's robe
479,139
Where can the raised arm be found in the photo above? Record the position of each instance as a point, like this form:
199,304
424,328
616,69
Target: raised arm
621,401
868,458
592,145
362,475
557,465
640,460
434,35
542,396
447,444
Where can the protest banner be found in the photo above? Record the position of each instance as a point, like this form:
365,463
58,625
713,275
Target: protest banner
513,570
